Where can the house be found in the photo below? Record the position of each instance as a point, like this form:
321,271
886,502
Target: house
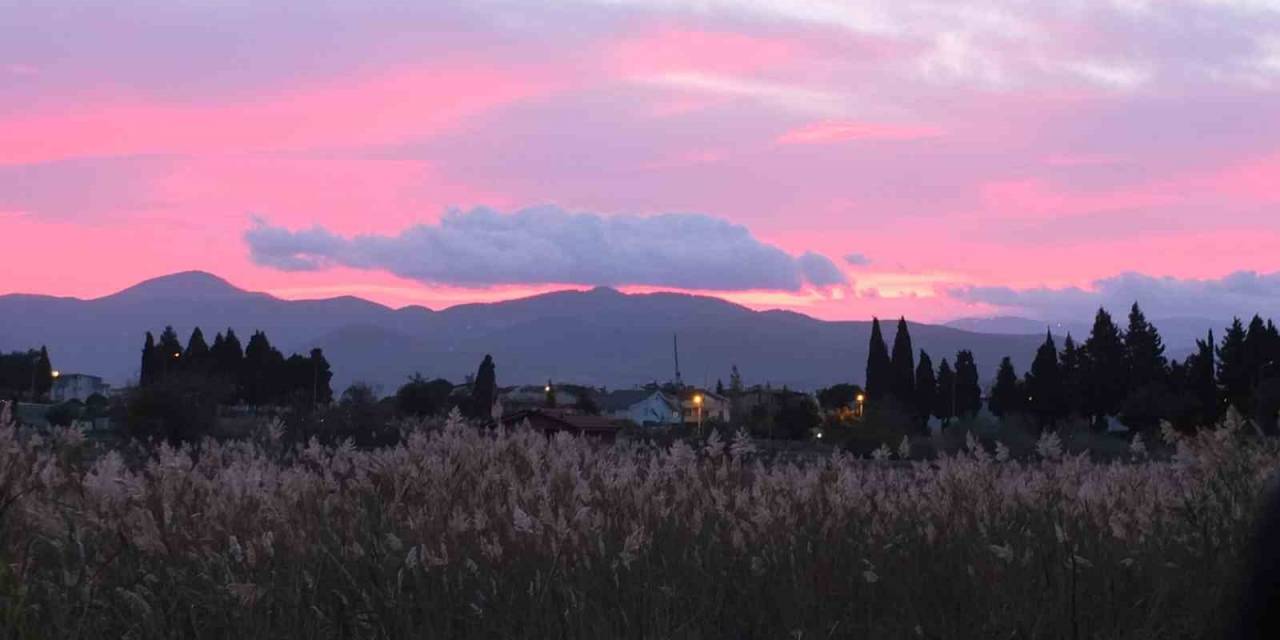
766,401
532,396
551,421
648,407
702,406
77,386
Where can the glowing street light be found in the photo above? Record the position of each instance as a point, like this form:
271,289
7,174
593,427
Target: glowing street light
55,373
697,402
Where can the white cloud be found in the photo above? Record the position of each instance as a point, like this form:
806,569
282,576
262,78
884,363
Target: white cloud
547,245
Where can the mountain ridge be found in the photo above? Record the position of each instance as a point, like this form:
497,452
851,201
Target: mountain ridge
600,336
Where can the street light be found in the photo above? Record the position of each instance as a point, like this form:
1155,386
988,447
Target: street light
697,402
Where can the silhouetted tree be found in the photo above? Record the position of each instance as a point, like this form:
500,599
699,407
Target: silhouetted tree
1106,373
261,371
926,390
1144,351
902,385
196,356
1071,363
840,396
1044,384
169,352
947,400
879,366
968,387
586,404
1007,395
1201,385
550,401
43,374
484,392
420,397
1233,367
735,382
322,378
150,371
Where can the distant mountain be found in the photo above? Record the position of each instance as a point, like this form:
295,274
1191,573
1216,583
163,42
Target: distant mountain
1013,325
600,337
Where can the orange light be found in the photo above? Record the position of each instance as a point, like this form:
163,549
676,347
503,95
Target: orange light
861,397
697,399
55,373
176,354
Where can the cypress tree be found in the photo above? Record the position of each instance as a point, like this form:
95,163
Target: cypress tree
196,355
1105,376
1257,344
1044,384
484,392
968,386
262,371
879,366
169,352
902,385
1007,395
44,374
148,373
1233,367
926,385
945,398
321,378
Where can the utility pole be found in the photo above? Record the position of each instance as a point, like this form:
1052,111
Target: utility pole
675,346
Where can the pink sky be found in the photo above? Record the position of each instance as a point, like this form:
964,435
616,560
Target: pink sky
957,148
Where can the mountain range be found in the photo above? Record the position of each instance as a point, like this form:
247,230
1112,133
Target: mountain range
598,337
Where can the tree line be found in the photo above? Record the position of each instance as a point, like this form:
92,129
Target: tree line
1116,372
898,382
26,373
257,374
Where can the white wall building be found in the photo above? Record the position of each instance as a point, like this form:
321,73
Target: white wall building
77,386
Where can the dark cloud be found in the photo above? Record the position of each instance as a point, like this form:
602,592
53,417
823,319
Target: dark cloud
544,245
1243,293
857,259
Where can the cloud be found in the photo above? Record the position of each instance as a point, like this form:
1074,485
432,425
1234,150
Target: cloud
548,245
857,259
836,131
1242,293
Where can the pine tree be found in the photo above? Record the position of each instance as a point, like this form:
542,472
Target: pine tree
484,392
879,366
926,386
1044,384
902,385
1233,367
148,374
169,352
551,396
735,382
1144,352
945,398
1007,395
1106,374
1072,365
968,386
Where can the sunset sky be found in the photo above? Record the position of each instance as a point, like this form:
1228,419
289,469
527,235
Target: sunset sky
932,158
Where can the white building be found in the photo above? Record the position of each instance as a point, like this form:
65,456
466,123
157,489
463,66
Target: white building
77,386
641,406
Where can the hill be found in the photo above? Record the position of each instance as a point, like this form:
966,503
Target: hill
601,336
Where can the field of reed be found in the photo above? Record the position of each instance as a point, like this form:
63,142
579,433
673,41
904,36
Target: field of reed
460,533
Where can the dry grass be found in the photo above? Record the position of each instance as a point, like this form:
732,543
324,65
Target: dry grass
458,533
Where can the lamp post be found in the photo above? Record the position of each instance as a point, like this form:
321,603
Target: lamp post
861,401
697,403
